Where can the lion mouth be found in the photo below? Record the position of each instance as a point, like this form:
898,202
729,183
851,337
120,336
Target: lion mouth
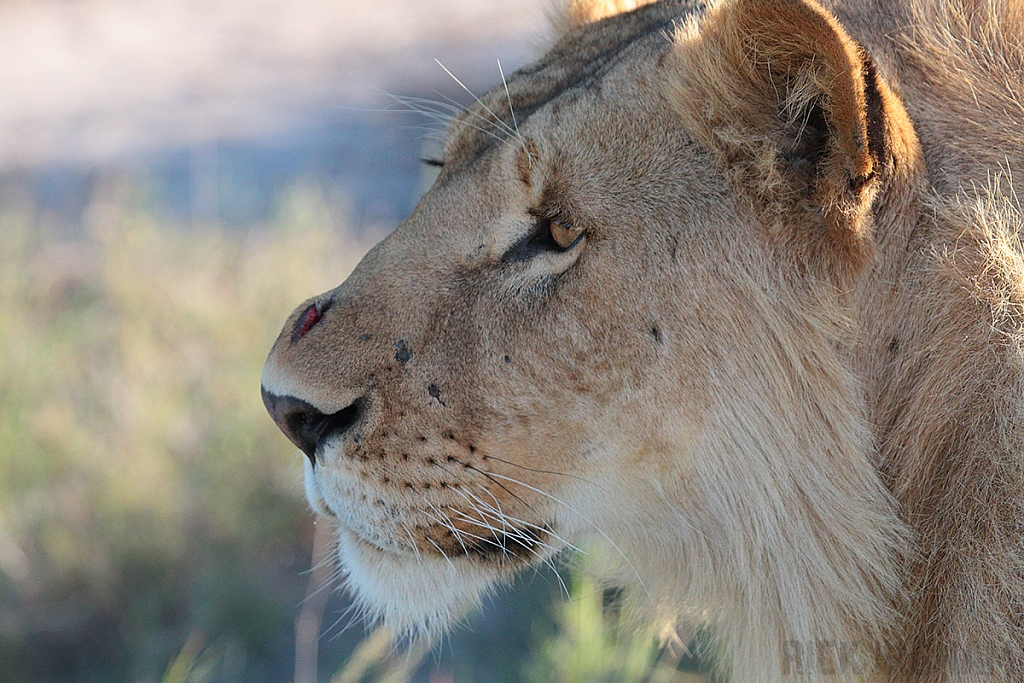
520,545
510,546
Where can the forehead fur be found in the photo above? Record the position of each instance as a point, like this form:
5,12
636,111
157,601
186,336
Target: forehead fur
578,61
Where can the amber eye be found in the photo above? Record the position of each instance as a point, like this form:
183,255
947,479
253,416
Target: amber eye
564,234
549,235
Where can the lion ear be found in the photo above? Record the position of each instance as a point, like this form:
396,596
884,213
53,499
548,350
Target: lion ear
575,13
799,116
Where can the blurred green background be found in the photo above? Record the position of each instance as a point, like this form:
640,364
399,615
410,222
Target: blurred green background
174,178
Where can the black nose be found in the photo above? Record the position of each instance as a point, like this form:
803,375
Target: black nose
304,425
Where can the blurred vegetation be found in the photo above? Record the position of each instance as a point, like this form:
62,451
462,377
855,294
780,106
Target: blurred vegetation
145,498
587,643
594,645
152,521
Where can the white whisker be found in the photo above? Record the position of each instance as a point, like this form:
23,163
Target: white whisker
565,589
412,542
455,105
512,111
527,540
497,119
448,524
355,613
443,554
585,519
445,118
413,106
518,521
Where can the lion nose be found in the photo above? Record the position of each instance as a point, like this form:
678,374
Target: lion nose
304,425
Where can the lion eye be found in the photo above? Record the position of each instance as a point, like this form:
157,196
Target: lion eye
564,234
549,235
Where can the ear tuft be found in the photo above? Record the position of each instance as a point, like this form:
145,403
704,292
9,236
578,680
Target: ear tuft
575,13
800,118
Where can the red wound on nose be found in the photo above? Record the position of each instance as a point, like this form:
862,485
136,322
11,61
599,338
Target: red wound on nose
307,321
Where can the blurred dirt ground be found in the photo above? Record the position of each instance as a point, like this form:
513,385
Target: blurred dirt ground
90,80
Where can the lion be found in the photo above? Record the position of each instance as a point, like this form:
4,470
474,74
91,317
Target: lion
733,292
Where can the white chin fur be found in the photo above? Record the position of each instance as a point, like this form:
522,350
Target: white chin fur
417,597
316,501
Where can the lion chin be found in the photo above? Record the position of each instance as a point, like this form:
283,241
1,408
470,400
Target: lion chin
416,594
417,597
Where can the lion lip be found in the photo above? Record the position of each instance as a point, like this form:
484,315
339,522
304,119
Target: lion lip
521,545
384,545
518,546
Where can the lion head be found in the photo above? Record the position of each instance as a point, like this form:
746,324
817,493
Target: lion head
620,317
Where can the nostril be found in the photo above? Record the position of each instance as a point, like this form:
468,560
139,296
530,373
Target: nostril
307,427
342,420
299,421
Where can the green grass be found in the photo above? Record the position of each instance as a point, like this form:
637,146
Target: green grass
145,497
593,645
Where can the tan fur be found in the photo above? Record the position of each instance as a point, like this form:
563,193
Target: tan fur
576,13
779,377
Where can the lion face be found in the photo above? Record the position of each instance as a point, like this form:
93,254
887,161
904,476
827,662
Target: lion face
580,332
466,396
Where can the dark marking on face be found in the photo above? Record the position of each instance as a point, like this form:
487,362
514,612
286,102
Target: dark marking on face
656,333
894,346
508,359
402,352
433,391
365,337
